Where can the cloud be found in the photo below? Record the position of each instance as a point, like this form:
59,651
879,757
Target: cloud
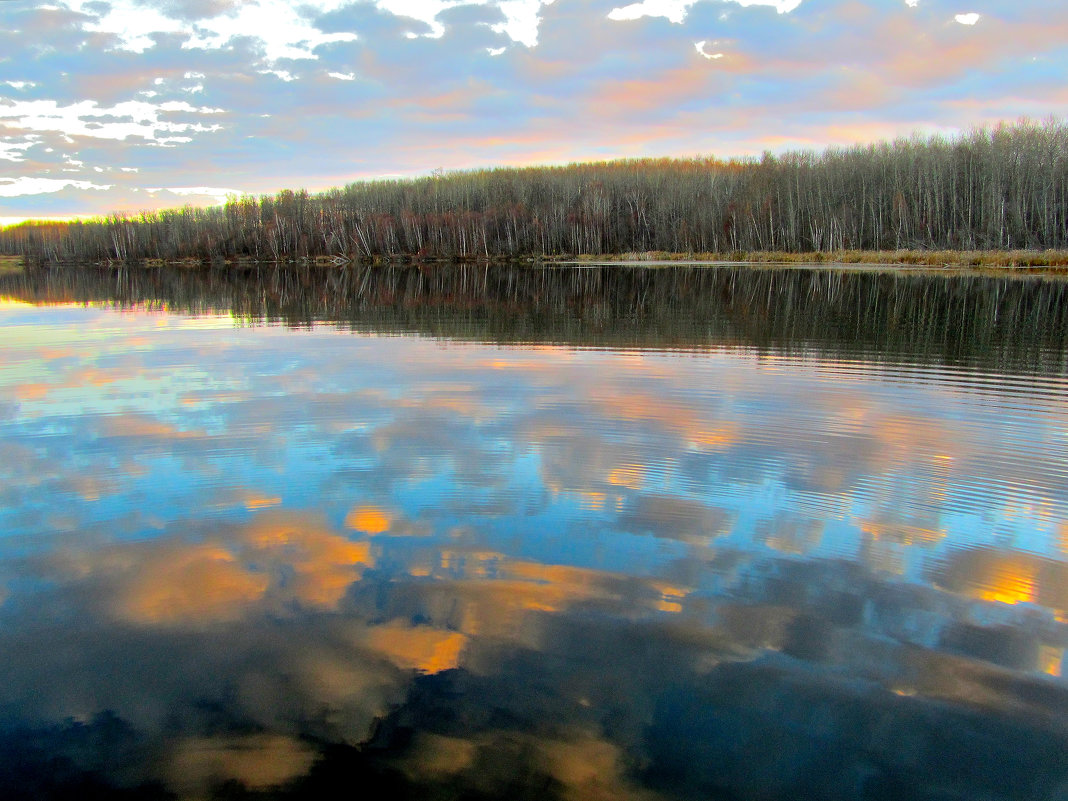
194,765
134,118
34,186
1006,577
676,518
283,31
421,648
197,584
279,560
672,10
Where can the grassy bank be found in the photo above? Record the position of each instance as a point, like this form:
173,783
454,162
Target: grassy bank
1057,260
1045,261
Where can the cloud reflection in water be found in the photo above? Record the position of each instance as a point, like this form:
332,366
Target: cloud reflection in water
454,570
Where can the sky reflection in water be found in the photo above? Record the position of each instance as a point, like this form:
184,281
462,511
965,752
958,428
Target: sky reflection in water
249,558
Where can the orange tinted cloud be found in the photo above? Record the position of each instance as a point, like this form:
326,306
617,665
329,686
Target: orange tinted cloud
421,648
136,425
323,562
278,559
369,519
32,392
1009,577
256,501
199,582
483,593
669,87
257,761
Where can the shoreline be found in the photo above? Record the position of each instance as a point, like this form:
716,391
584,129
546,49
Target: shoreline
1022,262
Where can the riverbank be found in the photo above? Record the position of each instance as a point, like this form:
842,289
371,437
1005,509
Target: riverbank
10,264
1038,261
1045,262
1057,259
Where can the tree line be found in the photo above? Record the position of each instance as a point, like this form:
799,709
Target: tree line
995,188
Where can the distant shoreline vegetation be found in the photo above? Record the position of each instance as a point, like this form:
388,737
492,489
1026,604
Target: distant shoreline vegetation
995,197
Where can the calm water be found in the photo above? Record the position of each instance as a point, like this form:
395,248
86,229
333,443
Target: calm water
506,533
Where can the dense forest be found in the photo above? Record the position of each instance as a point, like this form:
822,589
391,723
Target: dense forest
998,188
985,323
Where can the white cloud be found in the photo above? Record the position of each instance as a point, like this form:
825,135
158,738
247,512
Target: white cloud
967,19
197,190
423,10
37,186
521,20
131,22
284,28
283,75
137,118
782,6
700,48
343,76
522,17
13,151
676,10
673,10
197,195
284,32
20,84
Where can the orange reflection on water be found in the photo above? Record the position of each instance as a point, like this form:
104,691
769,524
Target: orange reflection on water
137,425
421,648
552,585
192,583
324,563
481,592
31,392
369,519
630,476
697,427
1008,577
255,501
258,761
717,437
671,596
1009,585
277,559
1050,659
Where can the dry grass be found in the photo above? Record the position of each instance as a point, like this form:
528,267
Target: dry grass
10,264
1057,259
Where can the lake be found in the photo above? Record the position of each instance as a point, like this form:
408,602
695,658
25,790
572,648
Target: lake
505,532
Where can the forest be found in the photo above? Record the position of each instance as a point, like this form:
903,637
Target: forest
996,188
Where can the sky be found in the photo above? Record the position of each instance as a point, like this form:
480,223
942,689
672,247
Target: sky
130,105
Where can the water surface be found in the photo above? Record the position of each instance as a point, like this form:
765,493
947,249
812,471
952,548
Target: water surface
582,534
